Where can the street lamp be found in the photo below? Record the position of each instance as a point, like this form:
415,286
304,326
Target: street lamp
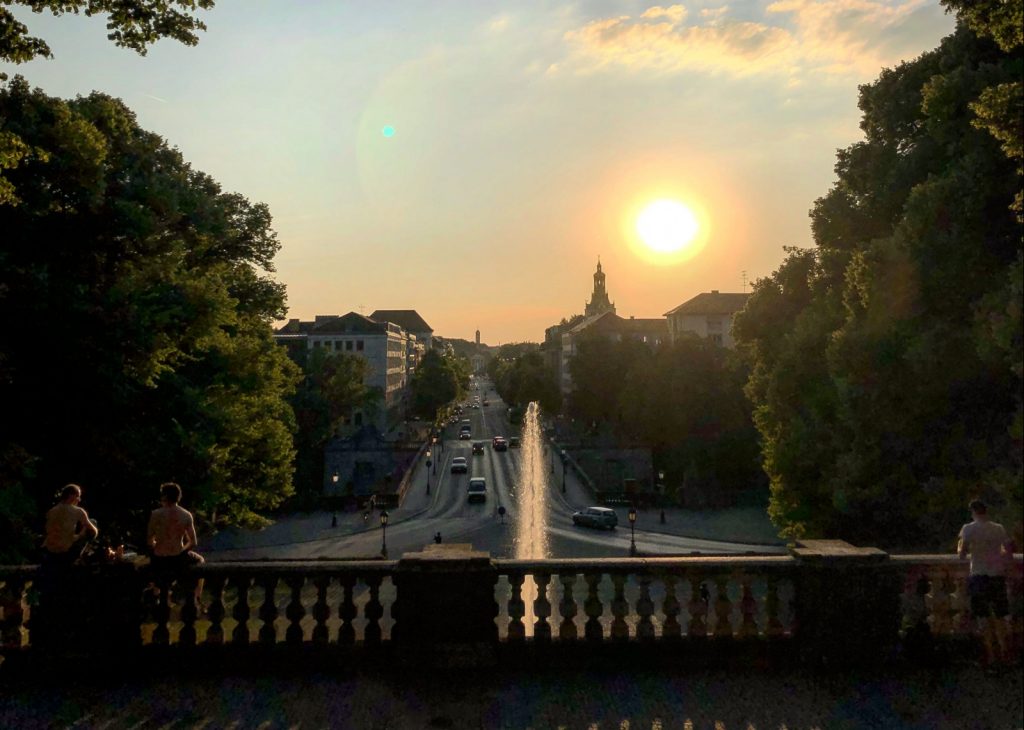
632,530
565,463
434,440
334,513
661,493
384,533
428,471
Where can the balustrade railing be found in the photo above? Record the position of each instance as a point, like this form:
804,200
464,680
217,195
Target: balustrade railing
365,605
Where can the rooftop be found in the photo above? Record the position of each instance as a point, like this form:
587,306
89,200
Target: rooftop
408,319
712,302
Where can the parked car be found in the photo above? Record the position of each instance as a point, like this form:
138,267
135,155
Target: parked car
513,442
478,447
459,465
477,490
596,517
498,443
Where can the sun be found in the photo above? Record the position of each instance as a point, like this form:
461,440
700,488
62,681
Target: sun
667,226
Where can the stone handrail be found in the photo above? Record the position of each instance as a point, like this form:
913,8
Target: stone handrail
826,599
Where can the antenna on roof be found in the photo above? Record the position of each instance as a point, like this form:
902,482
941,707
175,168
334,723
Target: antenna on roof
743,274
361,307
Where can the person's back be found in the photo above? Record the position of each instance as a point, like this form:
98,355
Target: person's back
170,528
67,525
989,548
985,542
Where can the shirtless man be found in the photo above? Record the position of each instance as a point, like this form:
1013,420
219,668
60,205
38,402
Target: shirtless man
990,549
172,534
68,528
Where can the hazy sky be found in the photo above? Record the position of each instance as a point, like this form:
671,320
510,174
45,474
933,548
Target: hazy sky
527,135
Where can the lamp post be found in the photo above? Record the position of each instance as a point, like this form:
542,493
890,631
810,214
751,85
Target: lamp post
384,533
632,530
661,493
434,441
565,463
428,471
334,489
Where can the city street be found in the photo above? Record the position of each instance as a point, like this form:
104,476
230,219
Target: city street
446,510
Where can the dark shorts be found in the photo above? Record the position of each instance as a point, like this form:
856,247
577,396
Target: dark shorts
175,563
988,596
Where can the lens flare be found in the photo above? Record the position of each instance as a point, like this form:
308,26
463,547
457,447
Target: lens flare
388,131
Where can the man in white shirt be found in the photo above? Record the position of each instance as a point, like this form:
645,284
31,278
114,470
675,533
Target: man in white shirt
990,549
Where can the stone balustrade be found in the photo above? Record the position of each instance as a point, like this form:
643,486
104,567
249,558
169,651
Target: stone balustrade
825,601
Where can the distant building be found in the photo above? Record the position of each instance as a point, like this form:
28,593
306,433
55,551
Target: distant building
478,338
384,345
599,302
410,321
709,314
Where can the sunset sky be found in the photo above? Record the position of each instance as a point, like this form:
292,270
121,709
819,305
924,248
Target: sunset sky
472,159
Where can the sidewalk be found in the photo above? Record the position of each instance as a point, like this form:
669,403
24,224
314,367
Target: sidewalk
740,524
313,526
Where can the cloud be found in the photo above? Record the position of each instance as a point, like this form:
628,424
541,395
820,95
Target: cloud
792,39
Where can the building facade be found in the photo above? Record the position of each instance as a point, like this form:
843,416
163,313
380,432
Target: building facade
709,315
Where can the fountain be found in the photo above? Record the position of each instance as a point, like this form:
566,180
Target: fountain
531,530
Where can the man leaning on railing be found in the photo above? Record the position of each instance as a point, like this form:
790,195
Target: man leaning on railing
991,551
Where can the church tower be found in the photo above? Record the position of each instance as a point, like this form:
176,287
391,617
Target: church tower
599,303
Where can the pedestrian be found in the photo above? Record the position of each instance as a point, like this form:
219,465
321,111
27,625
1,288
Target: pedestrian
990,550
171,535
437,538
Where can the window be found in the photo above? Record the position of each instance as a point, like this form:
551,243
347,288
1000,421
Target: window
716,338
359,345
316,343
348,345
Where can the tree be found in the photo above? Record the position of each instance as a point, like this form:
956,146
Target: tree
133,24
137,304
524,379
886,369
332,388
439,379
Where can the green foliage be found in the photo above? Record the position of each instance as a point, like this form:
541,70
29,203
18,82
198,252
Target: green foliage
133,24
885,364
526,378
685,400
439,380
332,387
137,311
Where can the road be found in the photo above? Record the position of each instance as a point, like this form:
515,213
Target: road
447,511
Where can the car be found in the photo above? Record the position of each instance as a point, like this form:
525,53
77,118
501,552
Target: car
498,443
459,465
596,517
477,490
465,435
478,447
513,442
475,405
486,403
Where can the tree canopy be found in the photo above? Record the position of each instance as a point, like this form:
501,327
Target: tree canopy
136,301
522,379
886,362
439,379
133,24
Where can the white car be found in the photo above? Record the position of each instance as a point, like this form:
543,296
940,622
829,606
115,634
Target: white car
459,465
596,517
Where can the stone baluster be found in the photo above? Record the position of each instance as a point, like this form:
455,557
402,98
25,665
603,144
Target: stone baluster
645,609
12,605
620,608
542,609
940,604
772,623
670,606
216,611
960,603
295,611
347,611
162,612
748,606
373,611
516,608
723,607
698,608
321,610
567,609
593,630
189,609
268,611
241,611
